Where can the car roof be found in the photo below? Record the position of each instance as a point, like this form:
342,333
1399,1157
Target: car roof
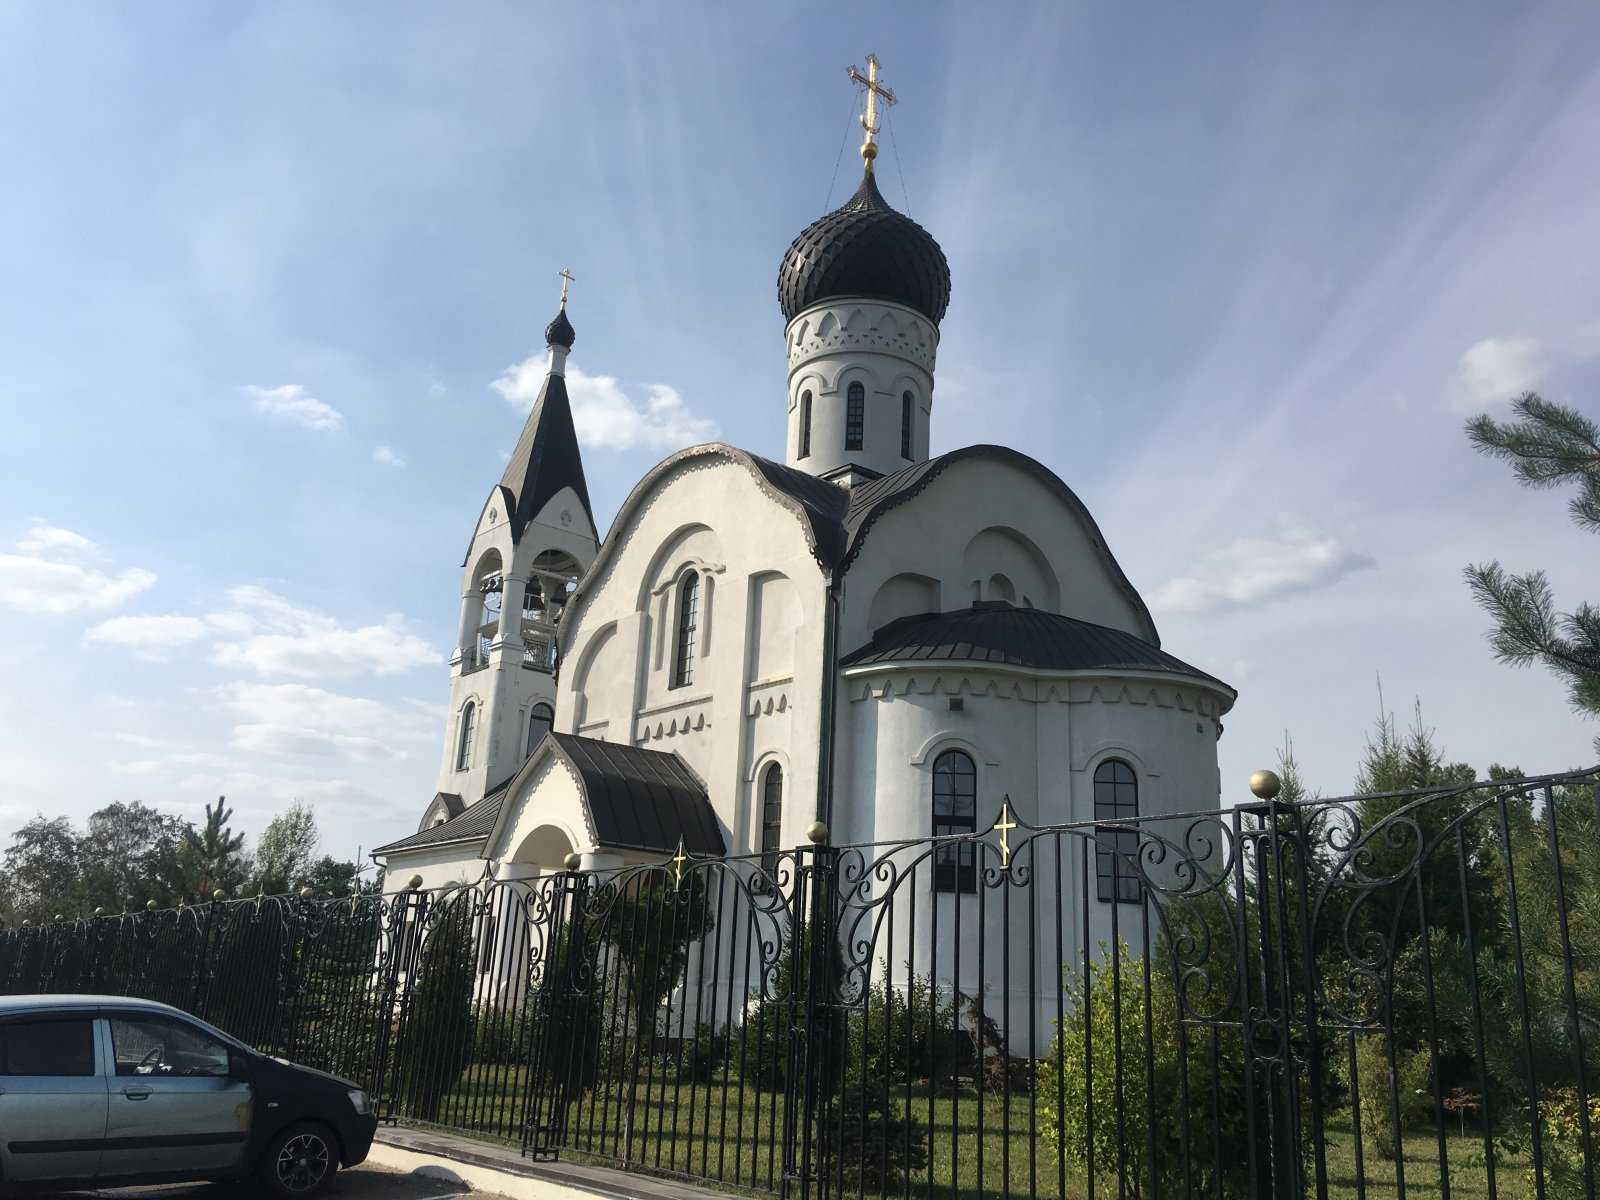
44,1003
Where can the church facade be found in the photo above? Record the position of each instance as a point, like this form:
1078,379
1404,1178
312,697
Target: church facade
861,635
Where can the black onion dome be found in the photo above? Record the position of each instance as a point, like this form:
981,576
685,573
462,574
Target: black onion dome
560,332
868,249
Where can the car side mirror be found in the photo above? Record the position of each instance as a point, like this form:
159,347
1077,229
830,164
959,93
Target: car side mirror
238,1067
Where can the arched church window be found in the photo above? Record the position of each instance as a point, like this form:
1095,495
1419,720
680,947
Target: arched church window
1001,588
688,622
540,718
805,426
1116,798
955,811
771,817
907,406
469,718
855,415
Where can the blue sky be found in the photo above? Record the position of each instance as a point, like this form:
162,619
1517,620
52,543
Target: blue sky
1237,274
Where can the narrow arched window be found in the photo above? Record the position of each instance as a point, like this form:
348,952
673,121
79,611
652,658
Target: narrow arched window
469,718
688,622
771,817
907,405
855,415
955,811
540,718
1001,588
1116,798
805,426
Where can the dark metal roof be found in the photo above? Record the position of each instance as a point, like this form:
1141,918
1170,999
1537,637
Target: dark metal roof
641,799
546,458
475,822
638,800
1017,637
560,332
868,249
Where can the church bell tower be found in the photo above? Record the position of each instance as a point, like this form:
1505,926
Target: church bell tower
863,290
534,538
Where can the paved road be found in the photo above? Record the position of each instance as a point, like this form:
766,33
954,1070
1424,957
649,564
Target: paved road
362,1183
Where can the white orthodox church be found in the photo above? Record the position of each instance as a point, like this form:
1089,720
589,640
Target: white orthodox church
860,634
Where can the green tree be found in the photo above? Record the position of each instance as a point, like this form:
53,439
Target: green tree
651,927
129,855
43,868
1548,446
329,876
286,849
210,857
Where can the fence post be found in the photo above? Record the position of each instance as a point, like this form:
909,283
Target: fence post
811,1003
542,1134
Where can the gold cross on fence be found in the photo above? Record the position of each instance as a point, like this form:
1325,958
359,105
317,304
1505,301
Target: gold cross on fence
567,277
875,91
1005,825
677,861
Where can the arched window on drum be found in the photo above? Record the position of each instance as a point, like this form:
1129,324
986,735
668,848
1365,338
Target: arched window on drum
955,811
1116,798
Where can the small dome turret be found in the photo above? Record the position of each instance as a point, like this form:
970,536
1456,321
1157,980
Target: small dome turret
865,248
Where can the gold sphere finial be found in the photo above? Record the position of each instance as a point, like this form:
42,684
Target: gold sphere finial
573,861
150,906
816,833
1266,784
307,892
415,883
99,910
219,894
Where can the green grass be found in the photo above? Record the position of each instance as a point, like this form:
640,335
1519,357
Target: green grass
732,1135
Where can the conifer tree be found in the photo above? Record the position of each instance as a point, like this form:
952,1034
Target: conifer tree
1548,446
210,856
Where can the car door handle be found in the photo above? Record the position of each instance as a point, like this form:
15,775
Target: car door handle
136,1093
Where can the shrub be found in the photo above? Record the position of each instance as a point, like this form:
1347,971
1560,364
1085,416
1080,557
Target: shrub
908,1034
868,1142
1409,1079
436,1036
1150,1117
699,1058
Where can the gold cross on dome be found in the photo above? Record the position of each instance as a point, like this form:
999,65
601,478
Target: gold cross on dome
677,861
567,278
1005,825
875,91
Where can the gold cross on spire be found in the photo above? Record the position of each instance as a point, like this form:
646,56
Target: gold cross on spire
567,277
1005,825
869,120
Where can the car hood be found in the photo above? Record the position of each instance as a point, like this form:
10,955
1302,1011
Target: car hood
301,1069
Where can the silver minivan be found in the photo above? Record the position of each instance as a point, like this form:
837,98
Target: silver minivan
112,1089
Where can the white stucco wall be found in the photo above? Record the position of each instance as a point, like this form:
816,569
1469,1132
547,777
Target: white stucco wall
757,669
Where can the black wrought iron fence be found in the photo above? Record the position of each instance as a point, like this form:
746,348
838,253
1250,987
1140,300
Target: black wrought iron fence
1385,995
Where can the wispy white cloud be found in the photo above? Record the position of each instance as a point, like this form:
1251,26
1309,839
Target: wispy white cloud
1497,370
608,418
45,576
298,719
269,634
285,639
387,456
1250,571
53,541
291,401
149,634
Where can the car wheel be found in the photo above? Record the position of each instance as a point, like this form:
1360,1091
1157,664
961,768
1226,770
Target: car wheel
300,1161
